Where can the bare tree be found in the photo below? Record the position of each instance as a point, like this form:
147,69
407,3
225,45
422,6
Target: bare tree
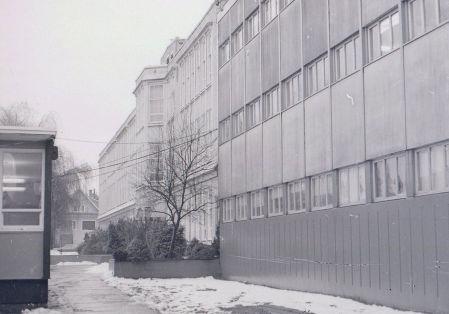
22,114
176,182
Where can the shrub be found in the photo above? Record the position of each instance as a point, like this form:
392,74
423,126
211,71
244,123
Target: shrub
94,243
197,250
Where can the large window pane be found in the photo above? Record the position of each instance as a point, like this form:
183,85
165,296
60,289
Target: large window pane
21,219
397,38
423,170
362,184
344,190
22,180
437,167
353,184
391,177
401,175
444,10
330,190
350,58
416,18
374,49
431,13
340,63
358,53
379,176
320,74
385,36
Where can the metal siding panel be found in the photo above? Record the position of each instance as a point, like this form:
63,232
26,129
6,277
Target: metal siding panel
340,250
347,247
365,248
355,248
238,81
224,86
395,257
442,269
374,249
252,67
343,22
384,245
270,56
428,225
290,38
315,29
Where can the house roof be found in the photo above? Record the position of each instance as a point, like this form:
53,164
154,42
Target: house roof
31,134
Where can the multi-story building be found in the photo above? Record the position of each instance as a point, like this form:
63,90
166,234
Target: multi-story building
334,141
183,86
124,161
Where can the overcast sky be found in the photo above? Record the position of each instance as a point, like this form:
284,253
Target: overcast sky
80,58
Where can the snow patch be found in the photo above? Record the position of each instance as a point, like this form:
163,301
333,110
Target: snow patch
211,295
41,310
57,252
75,263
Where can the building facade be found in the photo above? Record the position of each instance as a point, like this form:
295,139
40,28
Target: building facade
184,85
333,153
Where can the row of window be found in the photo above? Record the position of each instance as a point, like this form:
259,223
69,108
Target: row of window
387,177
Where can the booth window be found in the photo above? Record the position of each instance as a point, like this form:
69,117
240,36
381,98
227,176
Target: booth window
22,189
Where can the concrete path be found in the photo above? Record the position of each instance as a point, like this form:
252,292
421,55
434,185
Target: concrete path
73,290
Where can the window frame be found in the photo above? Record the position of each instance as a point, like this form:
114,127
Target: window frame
432,189
241,213
41,210
370,57
280,196
261,203
228,212
312,85
357,57
237,37
384,196
303,185
300,92
240,114
265,8
251,113
252,20
329,202
224,52
360,167
267,96
225,130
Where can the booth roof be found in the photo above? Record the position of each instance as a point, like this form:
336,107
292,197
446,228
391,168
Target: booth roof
32,134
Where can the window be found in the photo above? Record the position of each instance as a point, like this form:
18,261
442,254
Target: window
156,103
238,122
257,204
269,11
73,224
422,16
347,58
22,189
88,225
284,3
253,114
389,178
225,130
384,36
224,53
444,10
237,40
432,169
240,207
296,196
227,206
271,103
252,25
352,186
317,75
275,200
291,90
322,191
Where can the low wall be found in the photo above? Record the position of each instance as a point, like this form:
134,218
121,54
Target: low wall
167,269
55,259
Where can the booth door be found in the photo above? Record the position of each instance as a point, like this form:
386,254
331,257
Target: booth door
21,213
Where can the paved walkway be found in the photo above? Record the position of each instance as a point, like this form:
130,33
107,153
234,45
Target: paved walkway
73,290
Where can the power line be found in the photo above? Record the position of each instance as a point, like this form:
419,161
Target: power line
130,160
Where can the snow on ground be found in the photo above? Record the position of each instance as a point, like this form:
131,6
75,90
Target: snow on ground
83,263
57,252
214,296
41,310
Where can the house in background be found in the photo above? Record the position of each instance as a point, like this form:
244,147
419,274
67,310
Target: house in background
80,219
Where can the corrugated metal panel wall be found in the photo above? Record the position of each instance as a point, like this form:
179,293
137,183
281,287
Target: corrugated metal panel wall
395,253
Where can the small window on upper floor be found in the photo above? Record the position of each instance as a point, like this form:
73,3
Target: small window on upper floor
389,178
291,90
283,4
224,52
271,103
237,40
432,169
352,185
238,122
257,203
253,114
321,190
384,36
347,57
224,130
252,25
269,11
317,75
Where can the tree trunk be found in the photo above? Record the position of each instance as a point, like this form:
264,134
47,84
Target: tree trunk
173,237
